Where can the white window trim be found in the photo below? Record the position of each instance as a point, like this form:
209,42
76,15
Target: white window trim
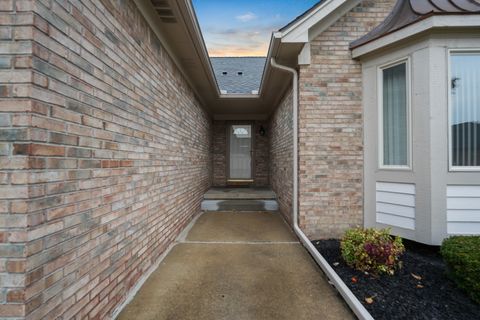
451,167
380,69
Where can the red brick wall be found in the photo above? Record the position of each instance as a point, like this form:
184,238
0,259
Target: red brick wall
330,124
281,154
104,152
261,153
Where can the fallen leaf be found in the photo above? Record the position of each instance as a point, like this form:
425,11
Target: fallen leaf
336,264
419,286
354,280
369,300
417,277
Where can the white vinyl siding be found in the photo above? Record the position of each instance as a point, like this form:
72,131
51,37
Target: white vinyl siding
463,209
394,116
395,204
465,110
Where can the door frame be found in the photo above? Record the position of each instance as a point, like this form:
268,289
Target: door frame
231,181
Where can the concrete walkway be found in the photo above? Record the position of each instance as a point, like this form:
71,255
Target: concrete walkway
233,266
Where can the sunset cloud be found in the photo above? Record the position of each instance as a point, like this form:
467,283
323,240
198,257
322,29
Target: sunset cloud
250,40
244,28
249,16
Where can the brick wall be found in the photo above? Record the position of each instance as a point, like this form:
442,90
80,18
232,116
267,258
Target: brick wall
330,124
16,80
281,152
261,153
104,153
219,153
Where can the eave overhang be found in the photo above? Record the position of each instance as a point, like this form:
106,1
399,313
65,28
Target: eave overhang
432,23
181,37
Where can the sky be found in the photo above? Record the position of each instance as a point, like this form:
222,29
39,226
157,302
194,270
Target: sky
243,27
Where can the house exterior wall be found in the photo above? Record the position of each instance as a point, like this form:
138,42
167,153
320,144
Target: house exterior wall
219,153
281,154
330,126
13,236
105,154
430,175
260,161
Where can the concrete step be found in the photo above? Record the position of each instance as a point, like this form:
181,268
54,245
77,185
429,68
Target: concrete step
239,205
240,193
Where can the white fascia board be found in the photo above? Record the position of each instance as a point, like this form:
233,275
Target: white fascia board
239,96
299,32
450,21
272,51
242,117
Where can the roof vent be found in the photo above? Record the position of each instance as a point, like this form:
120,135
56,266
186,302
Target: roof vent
239,73
224,72
168,19
164,11
160,3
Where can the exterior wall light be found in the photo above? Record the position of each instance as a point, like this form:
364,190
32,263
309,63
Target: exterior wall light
262,131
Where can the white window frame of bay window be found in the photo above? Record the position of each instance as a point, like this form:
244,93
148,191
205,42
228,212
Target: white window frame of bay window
381,165
451,167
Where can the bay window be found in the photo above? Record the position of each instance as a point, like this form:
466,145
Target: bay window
465,110
394,116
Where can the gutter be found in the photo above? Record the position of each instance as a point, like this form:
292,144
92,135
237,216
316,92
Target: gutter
341,287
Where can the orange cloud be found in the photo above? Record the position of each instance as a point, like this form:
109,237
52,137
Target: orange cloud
261,51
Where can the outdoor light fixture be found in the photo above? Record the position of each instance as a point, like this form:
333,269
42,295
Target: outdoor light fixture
262,131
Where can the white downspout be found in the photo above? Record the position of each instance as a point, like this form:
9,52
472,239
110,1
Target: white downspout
349,297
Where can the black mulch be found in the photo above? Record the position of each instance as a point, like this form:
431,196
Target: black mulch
398,297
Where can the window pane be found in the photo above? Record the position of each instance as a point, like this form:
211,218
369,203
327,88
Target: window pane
240,152
395,123
465,113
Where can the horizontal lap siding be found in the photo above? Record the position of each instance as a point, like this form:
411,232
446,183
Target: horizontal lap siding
396,204
118,155
463,209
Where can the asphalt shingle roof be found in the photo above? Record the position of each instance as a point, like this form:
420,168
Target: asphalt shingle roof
229,80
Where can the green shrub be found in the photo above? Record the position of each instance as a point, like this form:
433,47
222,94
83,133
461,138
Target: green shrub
372,250
462,256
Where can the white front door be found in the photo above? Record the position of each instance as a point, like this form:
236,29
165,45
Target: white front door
240,152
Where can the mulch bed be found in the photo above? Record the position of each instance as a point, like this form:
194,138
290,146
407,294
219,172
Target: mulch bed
402,296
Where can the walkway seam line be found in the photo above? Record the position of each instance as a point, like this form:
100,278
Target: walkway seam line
239,242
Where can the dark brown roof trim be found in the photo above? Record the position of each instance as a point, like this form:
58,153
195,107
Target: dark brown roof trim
407,12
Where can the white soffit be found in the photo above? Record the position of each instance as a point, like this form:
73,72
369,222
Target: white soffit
445,21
